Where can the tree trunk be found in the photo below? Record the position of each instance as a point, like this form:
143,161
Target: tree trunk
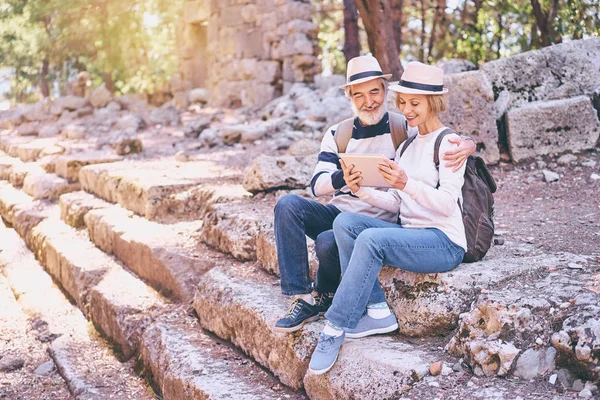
544,22
375,15
108,82
423,32
437,21
398,22
351,42
43,76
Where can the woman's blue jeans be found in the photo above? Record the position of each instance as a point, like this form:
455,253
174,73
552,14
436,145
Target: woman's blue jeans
367,244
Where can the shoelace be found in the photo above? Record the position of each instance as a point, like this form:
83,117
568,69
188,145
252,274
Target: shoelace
325,342
294,309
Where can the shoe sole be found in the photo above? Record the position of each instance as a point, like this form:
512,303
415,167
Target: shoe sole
377,331
297,327
322,371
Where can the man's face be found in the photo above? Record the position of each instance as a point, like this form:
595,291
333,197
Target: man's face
368,101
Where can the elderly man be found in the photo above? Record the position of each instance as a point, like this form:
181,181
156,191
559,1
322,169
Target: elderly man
297,217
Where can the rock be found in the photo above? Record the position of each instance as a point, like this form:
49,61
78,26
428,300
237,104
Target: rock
28,129
550,176
198,95
472,112
194,128
101,96
554,72
114,106
269,173
435,368
594,177
48,131
39,111
11,118
182,156
330,110
124,144
45,369
131,121
167,115
456,66
73,131
304,147
565,378
589,163
533,363
69,102
585,394
552,379
11,363
548,127
243,133
566,159
577,385
87,110
324,83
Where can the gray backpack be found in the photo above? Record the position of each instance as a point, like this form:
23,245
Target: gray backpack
477,207
398,129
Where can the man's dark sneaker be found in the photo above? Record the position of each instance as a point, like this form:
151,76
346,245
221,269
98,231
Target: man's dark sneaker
300,312
323,301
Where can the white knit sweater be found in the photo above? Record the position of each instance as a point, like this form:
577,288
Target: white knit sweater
420,204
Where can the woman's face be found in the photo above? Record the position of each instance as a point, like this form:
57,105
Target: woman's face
415,108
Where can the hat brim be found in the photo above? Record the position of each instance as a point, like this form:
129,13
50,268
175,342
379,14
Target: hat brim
369,78
401,89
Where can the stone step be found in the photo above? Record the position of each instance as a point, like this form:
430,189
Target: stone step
82,358
68,166
186,363
75,205
10,144
549,321
47,186
7,163
22,353
163,191
168,257
37,148
244,229
241,304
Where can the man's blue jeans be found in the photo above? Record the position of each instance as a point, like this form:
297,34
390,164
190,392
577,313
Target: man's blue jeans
296,218
366,244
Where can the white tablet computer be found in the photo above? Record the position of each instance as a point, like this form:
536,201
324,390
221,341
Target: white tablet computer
367,165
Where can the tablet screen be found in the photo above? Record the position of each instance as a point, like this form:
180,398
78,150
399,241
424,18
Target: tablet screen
367,165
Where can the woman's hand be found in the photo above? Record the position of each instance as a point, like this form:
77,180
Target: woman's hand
351,177
456,158
393,174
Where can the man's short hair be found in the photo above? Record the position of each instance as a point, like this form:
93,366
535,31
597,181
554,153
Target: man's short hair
384,83
438,103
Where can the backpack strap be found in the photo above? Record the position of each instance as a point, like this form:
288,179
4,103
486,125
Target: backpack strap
343,133
436,146
408,142
398,128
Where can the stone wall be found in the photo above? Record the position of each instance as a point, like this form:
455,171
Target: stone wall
246,52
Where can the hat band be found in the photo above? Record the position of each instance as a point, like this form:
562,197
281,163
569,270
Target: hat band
364,75
422,86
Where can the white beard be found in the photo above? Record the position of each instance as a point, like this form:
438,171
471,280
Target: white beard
370,118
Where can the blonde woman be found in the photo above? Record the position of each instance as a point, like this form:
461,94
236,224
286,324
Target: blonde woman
429,235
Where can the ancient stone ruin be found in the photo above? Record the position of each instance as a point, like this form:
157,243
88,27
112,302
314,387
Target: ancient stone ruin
156,225
244,52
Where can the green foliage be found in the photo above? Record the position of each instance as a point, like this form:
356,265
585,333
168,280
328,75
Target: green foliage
128,43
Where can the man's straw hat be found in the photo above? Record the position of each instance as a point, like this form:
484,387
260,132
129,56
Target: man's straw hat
362,69
419,78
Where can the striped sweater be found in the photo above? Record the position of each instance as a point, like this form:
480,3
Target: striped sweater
328,177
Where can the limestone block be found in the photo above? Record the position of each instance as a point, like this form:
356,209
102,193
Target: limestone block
269,173
249,44
11,118
456,66
548,127
31,151
296,43
73,131
196,12
430,304
47,186
68,166
560,71
231,16
28,129
255,93
69,102
167,115
248,13
523,323
291,10
297,25
240,303
101,96
198,95
49,131
75,205
134,122
330,110
39,111
268,71
472,112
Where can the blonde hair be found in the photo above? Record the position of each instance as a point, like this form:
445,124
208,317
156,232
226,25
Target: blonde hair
384,84
438,103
